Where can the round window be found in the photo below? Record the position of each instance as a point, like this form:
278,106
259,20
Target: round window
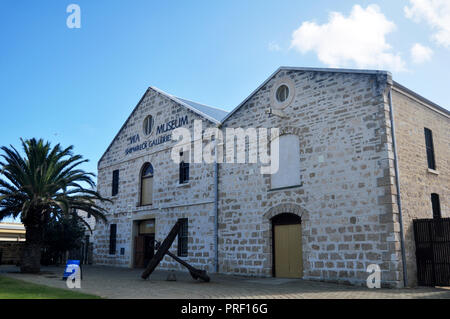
148,125
282,93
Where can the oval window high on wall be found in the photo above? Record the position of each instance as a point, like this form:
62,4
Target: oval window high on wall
283,92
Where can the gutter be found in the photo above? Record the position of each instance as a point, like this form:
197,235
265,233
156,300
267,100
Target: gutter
397,183
216,209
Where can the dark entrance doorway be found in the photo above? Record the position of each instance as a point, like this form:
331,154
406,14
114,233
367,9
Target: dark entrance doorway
144,247
287,246
432,237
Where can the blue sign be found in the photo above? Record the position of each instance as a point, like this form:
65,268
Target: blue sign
71,268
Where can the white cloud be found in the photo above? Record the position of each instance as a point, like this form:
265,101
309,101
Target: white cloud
273,46
434,12
420,53
359,39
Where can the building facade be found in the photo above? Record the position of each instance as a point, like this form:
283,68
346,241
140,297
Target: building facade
329,211
12,238
12,232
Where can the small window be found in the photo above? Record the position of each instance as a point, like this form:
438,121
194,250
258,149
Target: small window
435,203
147,227
183,238
184,167
112,239
282,93
147,184
430,148
148,125
115,183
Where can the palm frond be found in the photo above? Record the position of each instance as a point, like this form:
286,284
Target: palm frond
45,182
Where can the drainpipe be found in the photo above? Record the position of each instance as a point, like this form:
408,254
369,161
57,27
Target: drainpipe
397,183
216,209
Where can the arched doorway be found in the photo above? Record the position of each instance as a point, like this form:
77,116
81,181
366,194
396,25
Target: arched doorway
287,246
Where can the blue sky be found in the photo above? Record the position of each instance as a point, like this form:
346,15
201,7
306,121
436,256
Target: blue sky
78,86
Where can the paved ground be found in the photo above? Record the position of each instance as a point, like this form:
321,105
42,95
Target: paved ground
111,282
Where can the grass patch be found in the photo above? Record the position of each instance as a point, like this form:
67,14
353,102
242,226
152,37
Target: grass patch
18,289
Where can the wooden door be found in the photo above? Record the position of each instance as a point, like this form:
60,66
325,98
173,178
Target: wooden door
288,251
149,248
139,251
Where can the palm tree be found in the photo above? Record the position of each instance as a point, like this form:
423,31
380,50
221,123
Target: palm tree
42,186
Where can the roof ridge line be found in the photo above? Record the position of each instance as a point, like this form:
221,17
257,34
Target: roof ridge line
213,107
177,100
305,69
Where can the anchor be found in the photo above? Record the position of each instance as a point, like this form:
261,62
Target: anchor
163,249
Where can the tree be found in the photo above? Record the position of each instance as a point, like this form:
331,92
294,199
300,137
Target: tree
42,186
62,235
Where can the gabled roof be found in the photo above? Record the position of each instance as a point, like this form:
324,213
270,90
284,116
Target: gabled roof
425,101
396,85
210,113
213,112
288,68
219,116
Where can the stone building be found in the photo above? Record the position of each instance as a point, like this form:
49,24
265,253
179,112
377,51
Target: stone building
12,232
328,212
12,239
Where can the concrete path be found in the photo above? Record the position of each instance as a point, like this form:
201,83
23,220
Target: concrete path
111,282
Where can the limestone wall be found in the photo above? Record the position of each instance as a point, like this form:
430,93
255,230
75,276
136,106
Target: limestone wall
346,200
417,183
11,252
170,199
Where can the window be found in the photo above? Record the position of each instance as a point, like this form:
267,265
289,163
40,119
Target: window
183,238
115,183
147,227
289,162
147,184
148,125
282,93
184,167
430,148
435,203
112,239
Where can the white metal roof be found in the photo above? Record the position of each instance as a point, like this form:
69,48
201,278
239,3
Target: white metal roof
211,113
214,112
12,226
